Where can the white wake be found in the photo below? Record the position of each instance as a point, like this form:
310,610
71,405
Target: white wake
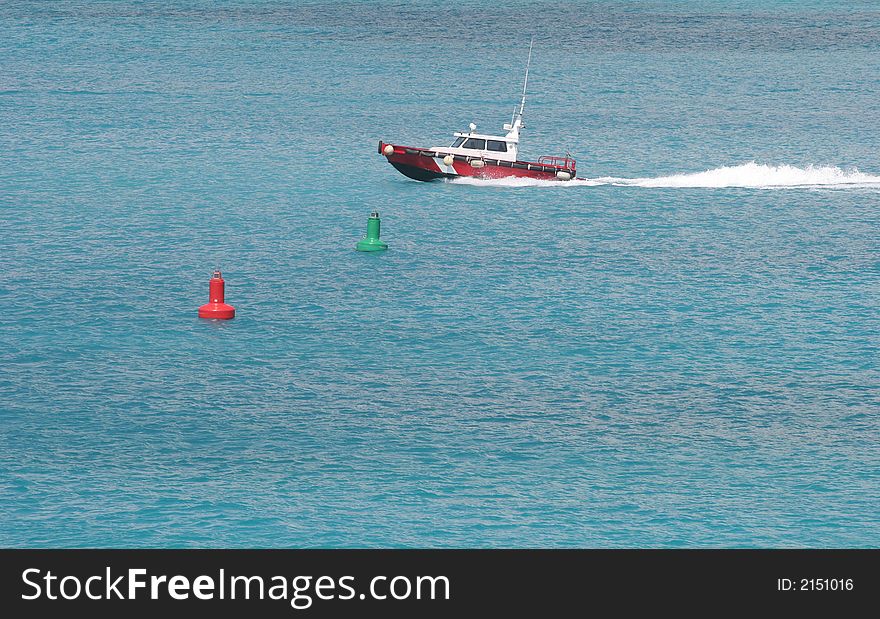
748,175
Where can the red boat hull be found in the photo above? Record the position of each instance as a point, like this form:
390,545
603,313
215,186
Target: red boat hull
423,164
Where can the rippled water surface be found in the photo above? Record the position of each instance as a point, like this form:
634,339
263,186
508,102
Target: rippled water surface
679,350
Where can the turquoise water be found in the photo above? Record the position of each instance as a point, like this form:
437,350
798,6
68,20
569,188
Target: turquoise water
679,350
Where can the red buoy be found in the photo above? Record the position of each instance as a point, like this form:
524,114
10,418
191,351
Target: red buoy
216,308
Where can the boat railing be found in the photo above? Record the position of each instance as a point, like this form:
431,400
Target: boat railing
559,162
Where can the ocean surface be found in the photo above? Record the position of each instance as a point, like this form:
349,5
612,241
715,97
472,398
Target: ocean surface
682,349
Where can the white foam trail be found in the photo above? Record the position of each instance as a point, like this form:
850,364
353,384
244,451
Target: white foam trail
748,175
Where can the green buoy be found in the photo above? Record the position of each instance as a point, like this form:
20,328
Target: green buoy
371,241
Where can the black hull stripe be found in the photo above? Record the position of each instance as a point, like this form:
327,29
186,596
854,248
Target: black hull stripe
419,174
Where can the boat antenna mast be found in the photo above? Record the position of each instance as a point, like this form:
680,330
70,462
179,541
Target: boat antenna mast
517,121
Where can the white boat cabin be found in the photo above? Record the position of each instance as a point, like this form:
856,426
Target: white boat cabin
484,146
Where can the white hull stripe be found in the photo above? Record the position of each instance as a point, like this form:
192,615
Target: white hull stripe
446,169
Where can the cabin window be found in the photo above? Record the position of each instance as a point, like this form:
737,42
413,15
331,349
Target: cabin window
475,143
457,142
499,146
